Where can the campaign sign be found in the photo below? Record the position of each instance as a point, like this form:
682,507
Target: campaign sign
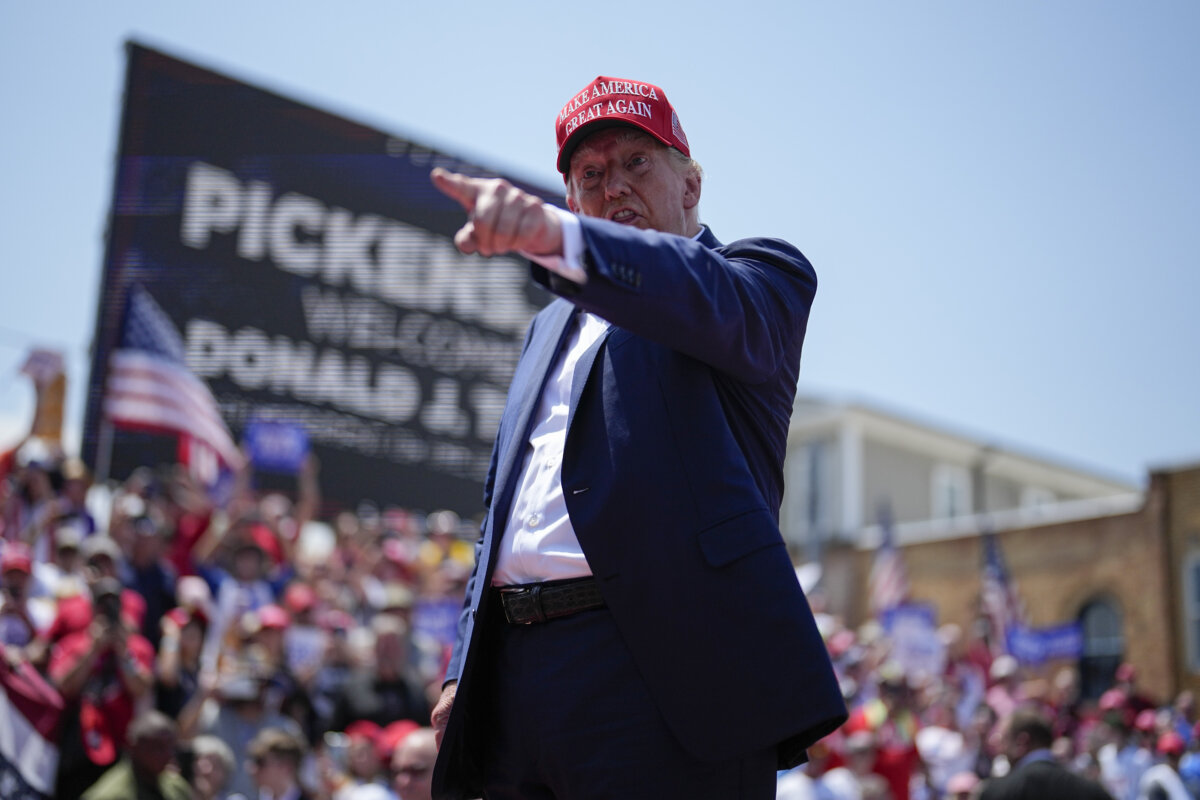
912,627
1038,645
308,263
276,446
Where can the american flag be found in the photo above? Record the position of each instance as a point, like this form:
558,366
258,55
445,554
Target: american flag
151,388
889,577
998,595
30,715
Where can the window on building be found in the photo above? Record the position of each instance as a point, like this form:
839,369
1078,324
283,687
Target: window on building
1191,609
1103,646
951,491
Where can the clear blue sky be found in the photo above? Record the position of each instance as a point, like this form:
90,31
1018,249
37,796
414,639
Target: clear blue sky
1002,200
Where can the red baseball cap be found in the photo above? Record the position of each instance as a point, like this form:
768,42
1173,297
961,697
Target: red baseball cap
272,616
606,102
299,597
264,539
391,736
17,557
1171,742
363,729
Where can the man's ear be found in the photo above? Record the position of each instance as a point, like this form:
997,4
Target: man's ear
691,188
574,208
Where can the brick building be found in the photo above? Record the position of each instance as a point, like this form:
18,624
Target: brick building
1079,547
1129,575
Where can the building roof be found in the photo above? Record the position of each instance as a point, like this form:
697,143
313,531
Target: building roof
813,414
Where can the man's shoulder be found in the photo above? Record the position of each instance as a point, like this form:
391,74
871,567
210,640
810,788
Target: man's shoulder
172,786
116,783
765,248
1043,779
595,229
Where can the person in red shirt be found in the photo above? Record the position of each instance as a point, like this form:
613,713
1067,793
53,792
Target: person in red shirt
101,671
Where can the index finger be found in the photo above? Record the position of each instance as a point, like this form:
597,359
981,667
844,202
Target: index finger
459,188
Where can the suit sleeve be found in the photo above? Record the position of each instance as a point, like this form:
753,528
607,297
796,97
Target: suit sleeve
738,308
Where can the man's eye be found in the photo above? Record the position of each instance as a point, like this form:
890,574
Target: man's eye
637,161
588,174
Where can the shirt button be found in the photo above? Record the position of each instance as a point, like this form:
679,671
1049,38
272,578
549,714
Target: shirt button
534,520
552,462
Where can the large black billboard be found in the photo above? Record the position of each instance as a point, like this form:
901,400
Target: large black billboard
308,264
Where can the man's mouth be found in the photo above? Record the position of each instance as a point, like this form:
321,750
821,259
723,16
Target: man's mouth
624,216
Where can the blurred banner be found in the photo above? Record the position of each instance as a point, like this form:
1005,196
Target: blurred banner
916,646
45,368
307,262
1034,646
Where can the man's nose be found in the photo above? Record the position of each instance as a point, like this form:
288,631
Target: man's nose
615,186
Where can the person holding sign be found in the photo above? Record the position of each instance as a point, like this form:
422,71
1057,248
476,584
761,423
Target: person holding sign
634,627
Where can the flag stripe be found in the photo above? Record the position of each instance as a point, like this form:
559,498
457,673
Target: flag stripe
138,371
27,742
149,387
151,413
998,595
158,406
888,580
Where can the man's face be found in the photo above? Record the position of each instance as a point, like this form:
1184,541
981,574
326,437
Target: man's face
390,653
361,758
209,775
247,564
146,549
1015,745
412,767
627,176
15,582
67,558
104,565
153,752
273,772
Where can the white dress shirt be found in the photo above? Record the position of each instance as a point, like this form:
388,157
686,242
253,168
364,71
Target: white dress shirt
539,542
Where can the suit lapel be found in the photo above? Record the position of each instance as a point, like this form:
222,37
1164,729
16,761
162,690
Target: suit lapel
583,371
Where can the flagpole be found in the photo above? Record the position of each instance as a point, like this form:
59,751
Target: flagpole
104,448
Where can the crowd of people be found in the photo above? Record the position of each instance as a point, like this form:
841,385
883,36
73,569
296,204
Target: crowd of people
955,733
247,649
224,650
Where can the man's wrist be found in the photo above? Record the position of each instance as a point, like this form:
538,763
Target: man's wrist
569,263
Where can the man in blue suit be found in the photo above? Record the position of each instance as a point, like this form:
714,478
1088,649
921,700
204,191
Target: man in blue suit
634,627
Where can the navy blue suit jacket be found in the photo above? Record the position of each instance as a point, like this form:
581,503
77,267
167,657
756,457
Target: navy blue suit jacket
1043,780
673,475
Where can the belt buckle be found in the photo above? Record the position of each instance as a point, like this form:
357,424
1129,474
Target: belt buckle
534,595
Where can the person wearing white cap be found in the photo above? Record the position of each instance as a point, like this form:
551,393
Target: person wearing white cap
634,627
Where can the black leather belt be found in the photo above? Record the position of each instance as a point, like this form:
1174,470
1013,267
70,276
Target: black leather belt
539,602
